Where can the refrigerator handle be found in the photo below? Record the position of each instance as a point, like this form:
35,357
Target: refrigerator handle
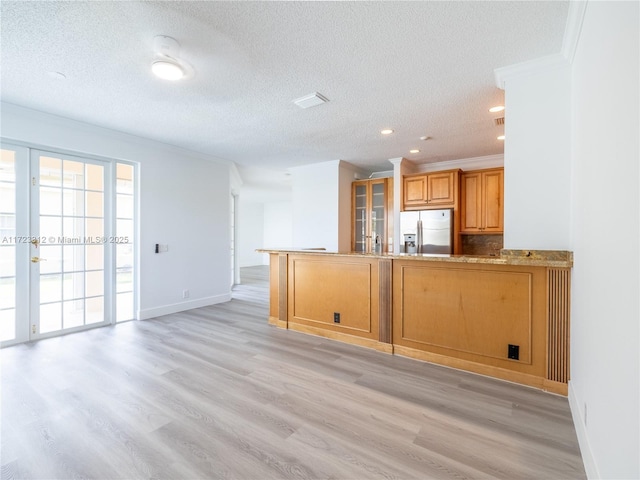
419,237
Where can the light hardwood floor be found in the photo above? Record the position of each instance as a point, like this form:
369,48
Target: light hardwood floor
217,393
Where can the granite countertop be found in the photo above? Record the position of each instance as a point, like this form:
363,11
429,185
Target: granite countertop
542,258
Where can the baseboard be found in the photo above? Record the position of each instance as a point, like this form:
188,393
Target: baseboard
590,467
482,369
343,337
182,306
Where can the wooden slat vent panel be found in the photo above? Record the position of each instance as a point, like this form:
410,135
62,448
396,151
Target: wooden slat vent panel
282,288
386,310
558,346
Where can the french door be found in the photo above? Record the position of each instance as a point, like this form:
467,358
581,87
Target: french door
66,245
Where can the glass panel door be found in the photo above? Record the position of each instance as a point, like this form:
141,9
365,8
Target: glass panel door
123,240
360,218
378,208
69,244
8,245
14,244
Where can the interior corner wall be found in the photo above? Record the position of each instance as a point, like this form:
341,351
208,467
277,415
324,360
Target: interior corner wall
605,311
537,160
346,176
315,200
184,203
250,233
278,231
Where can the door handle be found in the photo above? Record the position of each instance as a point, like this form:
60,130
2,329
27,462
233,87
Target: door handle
38,259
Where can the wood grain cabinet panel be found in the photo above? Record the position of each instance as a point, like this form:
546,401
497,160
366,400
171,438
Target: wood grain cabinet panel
415,190
468,315
319,287
482,201
441,188
467,310
430,190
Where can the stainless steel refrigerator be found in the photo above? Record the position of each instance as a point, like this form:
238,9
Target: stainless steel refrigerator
426,231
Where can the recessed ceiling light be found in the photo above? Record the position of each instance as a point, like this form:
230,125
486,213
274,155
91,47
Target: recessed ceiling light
167,70
497,108
415,150
386,131
501,137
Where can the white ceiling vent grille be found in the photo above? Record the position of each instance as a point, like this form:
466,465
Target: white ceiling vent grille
499,121
311,100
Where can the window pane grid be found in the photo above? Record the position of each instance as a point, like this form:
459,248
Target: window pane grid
8,292
72,236
124,249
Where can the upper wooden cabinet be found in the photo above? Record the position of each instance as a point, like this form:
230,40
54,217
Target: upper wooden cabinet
372,214
430,190
481,199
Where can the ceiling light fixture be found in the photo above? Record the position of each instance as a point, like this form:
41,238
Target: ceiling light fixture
415,150
497,108
500,137
386,131
167,70
167,64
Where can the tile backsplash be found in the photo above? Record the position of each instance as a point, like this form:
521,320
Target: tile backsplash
482,244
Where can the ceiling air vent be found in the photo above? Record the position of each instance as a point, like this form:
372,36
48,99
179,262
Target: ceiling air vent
499,121
310,100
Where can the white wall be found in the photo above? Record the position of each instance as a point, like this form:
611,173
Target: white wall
605,231
347,173
321,199
537,179
315,202
184,202
278,226
262,225
250,233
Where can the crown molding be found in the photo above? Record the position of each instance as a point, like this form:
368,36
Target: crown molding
542,64
573,29
474,163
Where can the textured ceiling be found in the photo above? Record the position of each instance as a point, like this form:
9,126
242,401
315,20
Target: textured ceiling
421,68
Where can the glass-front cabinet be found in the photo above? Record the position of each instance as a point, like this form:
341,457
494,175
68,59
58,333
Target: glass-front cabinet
371,214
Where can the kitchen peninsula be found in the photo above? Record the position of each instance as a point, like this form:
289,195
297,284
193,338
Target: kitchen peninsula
504,316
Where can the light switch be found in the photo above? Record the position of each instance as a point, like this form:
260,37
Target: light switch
163,248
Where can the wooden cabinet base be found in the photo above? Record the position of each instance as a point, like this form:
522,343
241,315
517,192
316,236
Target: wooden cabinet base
277,322
490,371
507,321
343,337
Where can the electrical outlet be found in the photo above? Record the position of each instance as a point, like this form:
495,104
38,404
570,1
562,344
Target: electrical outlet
336,317
185,294
513,352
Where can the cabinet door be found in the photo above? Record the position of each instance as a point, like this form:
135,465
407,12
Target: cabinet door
492,202
415,191
471,203
360,218
378,216
482,208
440,189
